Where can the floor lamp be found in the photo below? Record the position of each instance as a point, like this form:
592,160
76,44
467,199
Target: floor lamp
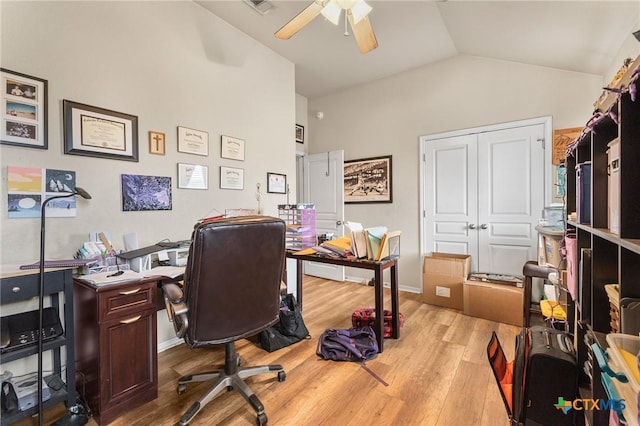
84,194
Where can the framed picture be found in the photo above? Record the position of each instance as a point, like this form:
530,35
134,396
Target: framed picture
299,133
232,148
368,180
193,176
231,178
193,141
99,132
144,193
276,183
157,143
23,110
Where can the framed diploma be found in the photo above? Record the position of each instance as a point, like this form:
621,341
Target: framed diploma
193,141
193,176
232,148
23,106
99,132
231,178
276,183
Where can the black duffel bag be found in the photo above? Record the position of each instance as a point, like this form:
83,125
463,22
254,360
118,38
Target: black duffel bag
290,329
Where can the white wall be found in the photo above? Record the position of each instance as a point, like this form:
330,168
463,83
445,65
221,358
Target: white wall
171,64
388,116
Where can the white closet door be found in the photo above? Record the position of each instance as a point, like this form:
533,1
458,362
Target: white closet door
451,195
510,197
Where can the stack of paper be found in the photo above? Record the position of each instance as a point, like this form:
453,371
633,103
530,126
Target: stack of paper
340,245
358,239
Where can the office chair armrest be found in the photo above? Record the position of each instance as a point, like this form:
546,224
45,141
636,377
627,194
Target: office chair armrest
172,292
176,308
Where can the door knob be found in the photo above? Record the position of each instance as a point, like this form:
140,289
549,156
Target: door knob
483,226
472,226
339,222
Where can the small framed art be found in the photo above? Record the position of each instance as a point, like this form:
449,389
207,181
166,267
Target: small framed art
24,110
276,183
299,133
156,143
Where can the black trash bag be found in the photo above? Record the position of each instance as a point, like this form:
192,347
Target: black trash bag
290,329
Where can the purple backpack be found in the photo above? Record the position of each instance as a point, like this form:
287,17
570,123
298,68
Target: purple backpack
351,344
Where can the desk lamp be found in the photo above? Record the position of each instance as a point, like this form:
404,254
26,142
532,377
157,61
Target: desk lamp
84,194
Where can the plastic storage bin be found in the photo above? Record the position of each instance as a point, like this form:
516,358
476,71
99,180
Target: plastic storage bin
583,192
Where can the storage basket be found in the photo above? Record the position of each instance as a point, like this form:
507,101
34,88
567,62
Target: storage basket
613,292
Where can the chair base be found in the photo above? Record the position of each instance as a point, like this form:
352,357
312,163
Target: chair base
230,378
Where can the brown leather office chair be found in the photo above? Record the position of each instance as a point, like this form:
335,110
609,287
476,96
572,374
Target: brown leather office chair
231,291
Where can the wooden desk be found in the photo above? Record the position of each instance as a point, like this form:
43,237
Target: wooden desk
378,268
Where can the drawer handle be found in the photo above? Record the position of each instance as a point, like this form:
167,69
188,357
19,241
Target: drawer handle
126,293
131,320
16,289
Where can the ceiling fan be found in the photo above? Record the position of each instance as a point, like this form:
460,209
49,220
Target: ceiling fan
356,12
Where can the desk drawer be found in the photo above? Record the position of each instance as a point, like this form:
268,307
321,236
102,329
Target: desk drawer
128,300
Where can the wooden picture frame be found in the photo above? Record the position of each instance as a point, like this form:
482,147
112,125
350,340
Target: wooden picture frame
157,143
232,148
192,141
24,110
299,133
368,180
276,183
97,132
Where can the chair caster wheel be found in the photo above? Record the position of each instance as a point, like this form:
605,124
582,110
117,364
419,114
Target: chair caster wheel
182,388
239,361
282,376
262,419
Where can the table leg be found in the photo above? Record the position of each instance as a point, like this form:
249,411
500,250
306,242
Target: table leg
379,320
395,304
299,282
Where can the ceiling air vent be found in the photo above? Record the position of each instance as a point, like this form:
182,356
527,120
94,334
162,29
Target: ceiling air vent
260,6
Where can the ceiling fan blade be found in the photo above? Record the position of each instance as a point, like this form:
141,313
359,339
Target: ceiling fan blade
300,20
363,33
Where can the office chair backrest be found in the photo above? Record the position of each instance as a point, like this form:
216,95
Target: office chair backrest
232,279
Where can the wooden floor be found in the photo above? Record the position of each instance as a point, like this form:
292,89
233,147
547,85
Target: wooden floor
437,372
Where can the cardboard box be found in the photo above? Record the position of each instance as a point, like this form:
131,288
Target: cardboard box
493,301
443,275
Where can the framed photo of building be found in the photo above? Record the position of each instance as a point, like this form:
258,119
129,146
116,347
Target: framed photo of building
23,110
368,180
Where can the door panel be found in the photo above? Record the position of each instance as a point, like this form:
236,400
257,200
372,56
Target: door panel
510,197
324,187
451,195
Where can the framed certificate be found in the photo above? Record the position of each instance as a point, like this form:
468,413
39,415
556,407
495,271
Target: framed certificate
193,176
231,178
99,132
193,141
276,183
232,148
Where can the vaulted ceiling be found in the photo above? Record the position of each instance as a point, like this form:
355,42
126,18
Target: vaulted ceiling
573,35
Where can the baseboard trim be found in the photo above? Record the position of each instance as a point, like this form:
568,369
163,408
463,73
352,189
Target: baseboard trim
168,344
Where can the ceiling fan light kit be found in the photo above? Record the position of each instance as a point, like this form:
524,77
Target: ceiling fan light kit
356,12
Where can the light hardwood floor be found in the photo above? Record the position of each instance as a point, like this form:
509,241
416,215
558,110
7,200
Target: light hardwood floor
437,372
